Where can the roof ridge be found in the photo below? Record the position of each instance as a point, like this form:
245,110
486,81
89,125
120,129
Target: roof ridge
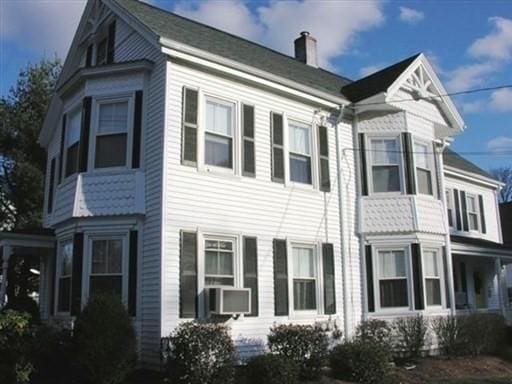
158,9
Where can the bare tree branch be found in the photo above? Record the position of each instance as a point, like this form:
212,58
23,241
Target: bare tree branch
504,174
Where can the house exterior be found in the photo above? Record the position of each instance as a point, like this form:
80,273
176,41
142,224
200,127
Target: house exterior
183,159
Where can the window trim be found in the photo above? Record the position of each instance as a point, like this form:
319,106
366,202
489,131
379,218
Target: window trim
235,259
58,269
430,163
95,119
369,159
406,248
440,269
477,213
75,109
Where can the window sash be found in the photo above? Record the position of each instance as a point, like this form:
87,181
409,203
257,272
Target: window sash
215,153
106,261
214,118
472,212
223,250
384,151
303,277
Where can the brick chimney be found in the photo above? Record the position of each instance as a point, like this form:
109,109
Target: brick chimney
305,49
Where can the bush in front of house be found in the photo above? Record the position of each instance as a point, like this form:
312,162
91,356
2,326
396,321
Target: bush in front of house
410,337
15,338
484,333
104,341
450,335
361,361
305,345
201,353
271,369
375,331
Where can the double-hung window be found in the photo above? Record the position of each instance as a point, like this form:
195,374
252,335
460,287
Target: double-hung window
304,278
423,162
392,278
432,275
219,260
72,141
112,134
299,143
472,210
106,268
219,133
385,165
65,267
450,207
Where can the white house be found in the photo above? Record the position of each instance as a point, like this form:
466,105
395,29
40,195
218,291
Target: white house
182,159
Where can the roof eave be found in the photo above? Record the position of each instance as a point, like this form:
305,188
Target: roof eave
471,176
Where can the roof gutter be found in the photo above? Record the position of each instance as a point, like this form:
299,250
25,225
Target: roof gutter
233,68
472,177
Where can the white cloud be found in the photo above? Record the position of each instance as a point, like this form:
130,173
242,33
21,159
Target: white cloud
335,24
469,76
500,144
501,100
497,44
369,69
42,26
411,16
471,106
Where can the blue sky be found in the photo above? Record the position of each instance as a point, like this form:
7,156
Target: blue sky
468,42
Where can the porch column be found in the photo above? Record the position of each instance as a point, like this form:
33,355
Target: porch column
7,252
497,264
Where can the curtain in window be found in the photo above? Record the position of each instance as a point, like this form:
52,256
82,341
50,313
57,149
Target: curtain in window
219,118
113,118
218,137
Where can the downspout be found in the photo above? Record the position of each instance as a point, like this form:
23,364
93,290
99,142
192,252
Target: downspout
448,247
343,245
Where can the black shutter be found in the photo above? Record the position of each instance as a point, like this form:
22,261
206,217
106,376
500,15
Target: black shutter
446,277
83,151
482,213
251,271
456,200
280,278
62,146
188,275
369,279
248,147
51,186
76,274
88,56
137,130
111,42
436,174
465,223
362,165
53,278
329,281
410,182
189,127
132,274
323,144
417,277
276,123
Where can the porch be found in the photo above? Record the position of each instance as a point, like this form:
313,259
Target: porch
27,261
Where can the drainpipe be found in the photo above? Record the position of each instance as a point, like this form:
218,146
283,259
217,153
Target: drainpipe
344,246
448,247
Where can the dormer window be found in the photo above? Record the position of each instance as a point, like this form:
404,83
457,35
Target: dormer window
385,164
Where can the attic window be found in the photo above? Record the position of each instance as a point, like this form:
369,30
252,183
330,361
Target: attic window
101,52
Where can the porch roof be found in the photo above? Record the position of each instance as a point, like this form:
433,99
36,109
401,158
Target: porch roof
479,247
35,237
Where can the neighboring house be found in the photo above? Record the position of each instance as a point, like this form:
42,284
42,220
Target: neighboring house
182,158
506,229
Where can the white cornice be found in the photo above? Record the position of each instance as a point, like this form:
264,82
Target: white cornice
471,177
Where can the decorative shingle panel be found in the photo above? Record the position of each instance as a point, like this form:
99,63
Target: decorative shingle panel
381,122
430,215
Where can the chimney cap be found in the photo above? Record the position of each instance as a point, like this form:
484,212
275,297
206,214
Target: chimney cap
305,33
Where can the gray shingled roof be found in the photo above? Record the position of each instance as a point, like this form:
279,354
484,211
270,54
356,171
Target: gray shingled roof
454,160
180,29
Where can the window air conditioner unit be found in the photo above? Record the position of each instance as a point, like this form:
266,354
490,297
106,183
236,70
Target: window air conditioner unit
229,301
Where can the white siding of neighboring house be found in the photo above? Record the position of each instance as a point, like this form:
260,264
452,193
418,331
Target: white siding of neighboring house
250,206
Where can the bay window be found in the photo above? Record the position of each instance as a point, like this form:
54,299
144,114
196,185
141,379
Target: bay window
472,210
422,158
304,278
432,275
72,141
385,164
392,278
219,133
299,143
219,261
112,134
106,268
65,267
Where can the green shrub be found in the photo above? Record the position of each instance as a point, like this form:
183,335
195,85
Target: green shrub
484,333
15,337
376,332
201,353
450,335
410,336
361,361
303,344
271,369
104,341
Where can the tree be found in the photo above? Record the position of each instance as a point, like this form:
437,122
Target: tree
22,160
504,174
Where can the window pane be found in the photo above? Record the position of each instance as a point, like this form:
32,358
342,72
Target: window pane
471,204
299,139
73,128
393,293
107,257
433,288
218,151
219,118
113,118
430,262
106,284
391,264
300,169
66,259
303,262
385,151
473,222
304,295
110,151
424,181
386,179
421,155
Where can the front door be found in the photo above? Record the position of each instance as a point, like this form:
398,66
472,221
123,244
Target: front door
480,294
